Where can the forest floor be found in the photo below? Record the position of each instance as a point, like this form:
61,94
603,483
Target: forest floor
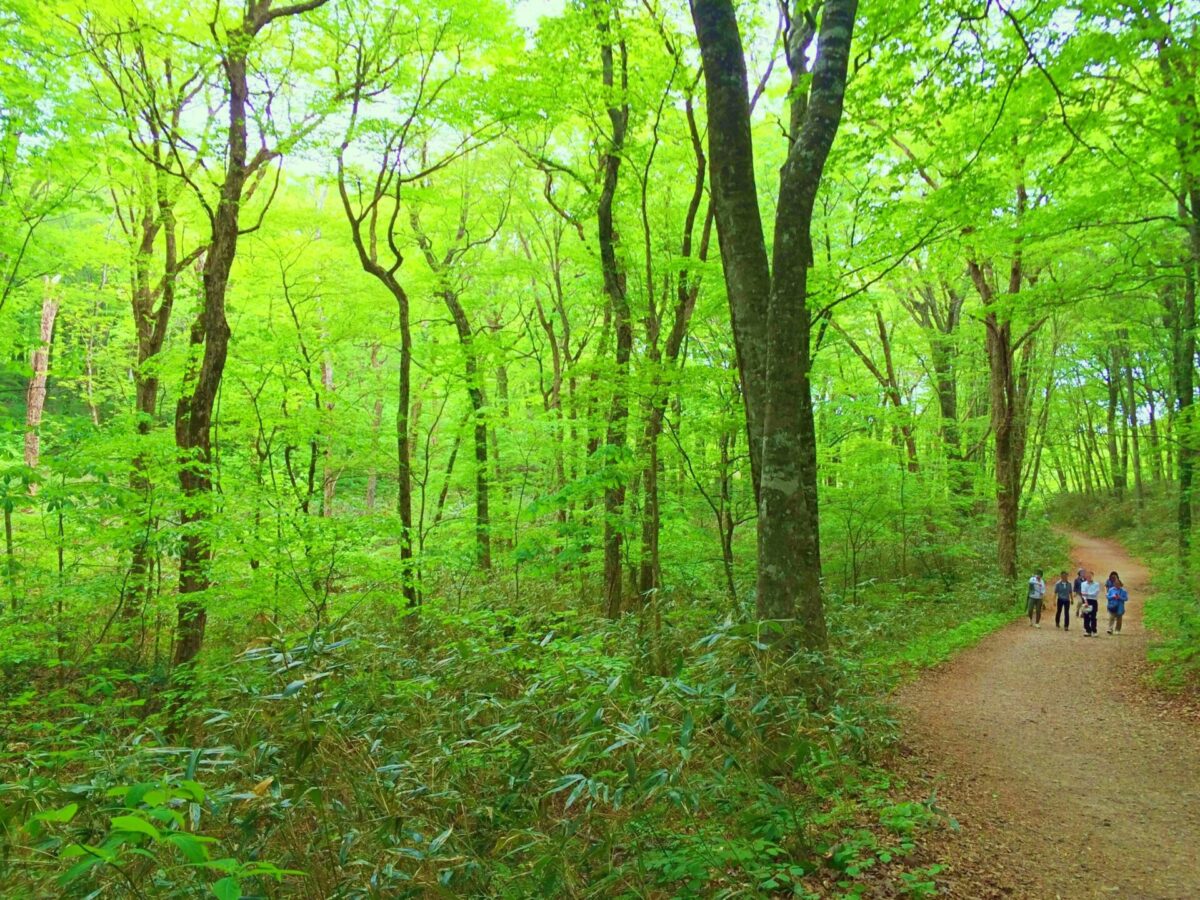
1067,775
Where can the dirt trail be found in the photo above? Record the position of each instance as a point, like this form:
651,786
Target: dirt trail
1066,780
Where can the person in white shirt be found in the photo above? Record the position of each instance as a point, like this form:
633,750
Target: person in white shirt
1090,589
1037,593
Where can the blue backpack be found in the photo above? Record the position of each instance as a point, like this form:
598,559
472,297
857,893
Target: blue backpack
1116,601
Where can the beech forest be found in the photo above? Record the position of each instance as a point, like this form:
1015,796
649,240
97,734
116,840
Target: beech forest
598,448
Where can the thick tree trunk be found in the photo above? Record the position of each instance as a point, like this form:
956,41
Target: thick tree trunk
1009,394
769,303
1002,390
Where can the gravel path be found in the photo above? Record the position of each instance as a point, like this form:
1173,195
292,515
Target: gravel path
1066,779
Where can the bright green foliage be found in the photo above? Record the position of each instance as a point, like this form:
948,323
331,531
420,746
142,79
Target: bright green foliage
1033,169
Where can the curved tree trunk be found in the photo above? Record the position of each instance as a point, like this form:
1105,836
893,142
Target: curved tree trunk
614,288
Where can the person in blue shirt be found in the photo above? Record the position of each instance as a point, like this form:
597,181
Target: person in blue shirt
1062,594
1077,590
1117,598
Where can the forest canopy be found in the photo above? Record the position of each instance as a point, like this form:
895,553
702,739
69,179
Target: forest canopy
601,389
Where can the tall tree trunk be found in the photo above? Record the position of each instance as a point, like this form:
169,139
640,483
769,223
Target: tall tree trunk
769,303
1009,393
686,290
1008,404
1178,70
1187,437
612,67
376,423
35,393
152,305
999,351
1154,450
410,586
194,412
1116,462
1131,417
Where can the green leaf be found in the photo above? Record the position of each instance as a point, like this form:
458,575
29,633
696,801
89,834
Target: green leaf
133,823
227,889
63,814
190,846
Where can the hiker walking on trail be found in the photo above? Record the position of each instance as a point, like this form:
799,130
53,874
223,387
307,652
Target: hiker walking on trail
1062,594
1090,590
1077,591
1117,597
1037,594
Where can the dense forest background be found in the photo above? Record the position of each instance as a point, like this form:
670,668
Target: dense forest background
384,507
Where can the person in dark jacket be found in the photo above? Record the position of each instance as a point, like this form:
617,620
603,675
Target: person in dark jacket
1062,594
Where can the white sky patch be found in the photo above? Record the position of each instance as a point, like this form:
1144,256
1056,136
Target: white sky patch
528,13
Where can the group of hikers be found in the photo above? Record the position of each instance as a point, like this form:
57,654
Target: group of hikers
1085,591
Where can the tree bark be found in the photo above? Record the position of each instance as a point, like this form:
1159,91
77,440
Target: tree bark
769,303
615,439
35,393
194,412
687,289
1116,463
1184,373
1129,401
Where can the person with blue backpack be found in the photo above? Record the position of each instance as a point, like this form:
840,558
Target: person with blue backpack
1117,598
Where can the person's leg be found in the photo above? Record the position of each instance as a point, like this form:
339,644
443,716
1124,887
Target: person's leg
1064,606
1120,618
1112,620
